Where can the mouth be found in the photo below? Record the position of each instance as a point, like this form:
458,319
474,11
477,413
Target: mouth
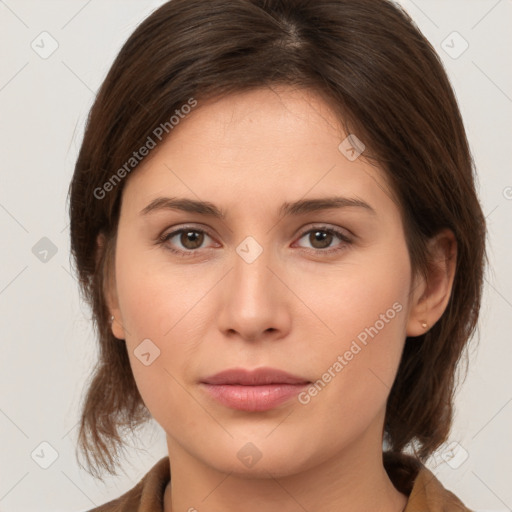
252,391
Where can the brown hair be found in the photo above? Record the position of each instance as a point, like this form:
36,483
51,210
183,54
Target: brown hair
368,59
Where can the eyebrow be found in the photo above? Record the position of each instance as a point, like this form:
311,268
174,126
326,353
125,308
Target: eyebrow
296,208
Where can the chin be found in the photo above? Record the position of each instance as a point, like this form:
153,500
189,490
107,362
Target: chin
260,460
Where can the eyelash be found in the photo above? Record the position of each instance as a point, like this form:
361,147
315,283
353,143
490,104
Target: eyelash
163,239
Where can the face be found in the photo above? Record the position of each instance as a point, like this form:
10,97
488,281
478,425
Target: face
324,294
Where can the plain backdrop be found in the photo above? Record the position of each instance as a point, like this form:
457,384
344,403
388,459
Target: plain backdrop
55,55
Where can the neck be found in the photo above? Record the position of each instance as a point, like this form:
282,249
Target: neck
353,480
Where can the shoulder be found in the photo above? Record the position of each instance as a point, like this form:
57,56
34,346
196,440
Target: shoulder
426,493
146,496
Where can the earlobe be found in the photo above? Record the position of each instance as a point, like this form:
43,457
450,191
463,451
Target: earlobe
117,328
109,287
433,293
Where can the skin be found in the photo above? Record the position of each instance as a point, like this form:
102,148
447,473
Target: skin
295,307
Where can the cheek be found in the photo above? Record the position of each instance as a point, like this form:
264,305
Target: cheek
161,313
353,296
365,308
153,296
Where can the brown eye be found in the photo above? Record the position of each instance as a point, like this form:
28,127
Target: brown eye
191,239
320,239
184,241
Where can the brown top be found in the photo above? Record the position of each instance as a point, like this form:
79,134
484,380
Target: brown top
409,476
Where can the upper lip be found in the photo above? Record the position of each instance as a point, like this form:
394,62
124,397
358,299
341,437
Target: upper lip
257,377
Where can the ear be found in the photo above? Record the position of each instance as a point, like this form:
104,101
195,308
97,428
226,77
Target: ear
430,296
109,288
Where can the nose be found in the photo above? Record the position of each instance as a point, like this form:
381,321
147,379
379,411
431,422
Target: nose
254,302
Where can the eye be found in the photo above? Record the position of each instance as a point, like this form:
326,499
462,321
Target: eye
187,241
322,237
189,238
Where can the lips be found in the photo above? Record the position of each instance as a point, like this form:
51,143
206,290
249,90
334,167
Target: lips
256,377
253,391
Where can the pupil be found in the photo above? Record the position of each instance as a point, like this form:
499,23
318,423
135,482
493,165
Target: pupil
321,236
192,237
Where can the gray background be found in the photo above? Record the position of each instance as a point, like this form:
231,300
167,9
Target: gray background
46,336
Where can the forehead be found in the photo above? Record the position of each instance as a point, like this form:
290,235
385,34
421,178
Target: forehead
261,143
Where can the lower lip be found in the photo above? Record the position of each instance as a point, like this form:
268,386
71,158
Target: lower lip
253,398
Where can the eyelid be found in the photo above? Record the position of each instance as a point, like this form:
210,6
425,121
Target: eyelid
321,226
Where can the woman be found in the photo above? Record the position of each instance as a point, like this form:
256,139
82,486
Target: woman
274,219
